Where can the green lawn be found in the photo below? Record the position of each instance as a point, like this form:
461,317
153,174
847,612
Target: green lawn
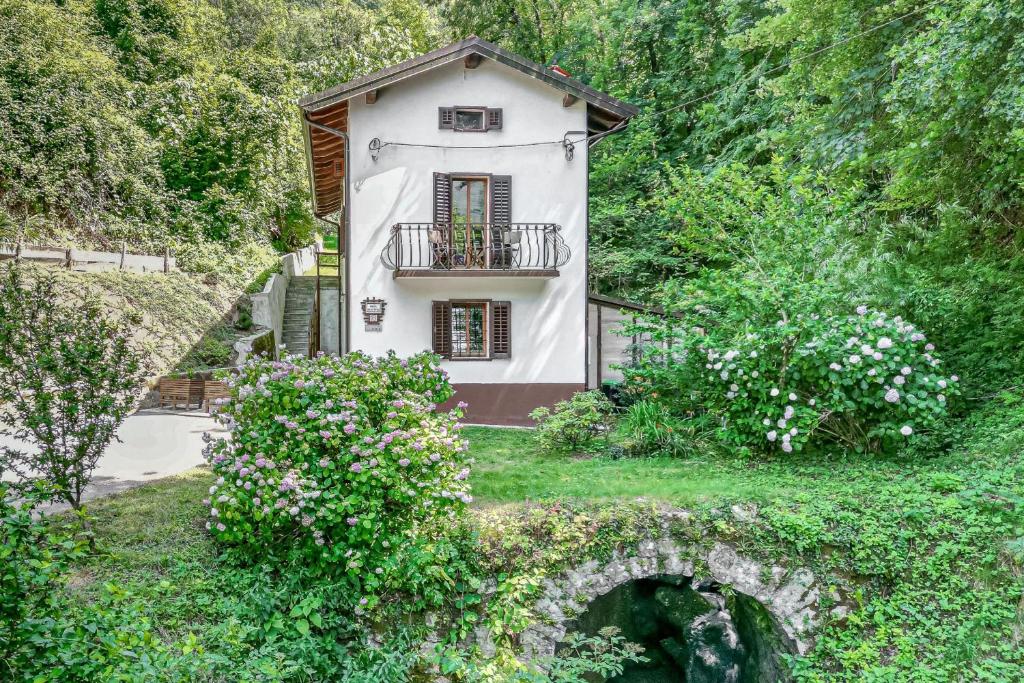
509,468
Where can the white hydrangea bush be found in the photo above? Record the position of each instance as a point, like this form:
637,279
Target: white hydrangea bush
864,380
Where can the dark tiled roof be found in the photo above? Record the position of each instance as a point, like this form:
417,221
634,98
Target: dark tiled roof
617,109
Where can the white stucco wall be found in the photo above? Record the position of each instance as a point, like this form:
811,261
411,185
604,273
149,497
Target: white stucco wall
548,315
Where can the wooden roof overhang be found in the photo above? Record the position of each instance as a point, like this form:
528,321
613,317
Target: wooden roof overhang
325,151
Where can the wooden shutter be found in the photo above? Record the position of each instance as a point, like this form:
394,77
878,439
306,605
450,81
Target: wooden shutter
446,117
501,199
442,198
501,329
494,119
441,335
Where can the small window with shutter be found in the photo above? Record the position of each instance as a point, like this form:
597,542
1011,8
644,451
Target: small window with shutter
467,330
469,119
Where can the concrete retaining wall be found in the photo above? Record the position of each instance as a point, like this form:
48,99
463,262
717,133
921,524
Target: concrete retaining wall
298,262
268,305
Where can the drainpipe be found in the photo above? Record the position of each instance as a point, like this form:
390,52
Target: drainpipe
343,225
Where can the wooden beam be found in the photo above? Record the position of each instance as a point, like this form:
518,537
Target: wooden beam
569,100
371,97
473,60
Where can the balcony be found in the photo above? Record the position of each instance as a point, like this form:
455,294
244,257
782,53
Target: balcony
475,250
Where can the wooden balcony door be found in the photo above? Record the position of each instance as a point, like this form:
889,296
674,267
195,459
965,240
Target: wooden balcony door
470,214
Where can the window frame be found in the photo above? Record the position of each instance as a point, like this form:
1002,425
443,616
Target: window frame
483,119
491,118
485,306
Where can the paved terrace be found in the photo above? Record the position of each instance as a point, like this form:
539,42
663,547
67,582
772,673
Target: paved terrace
155,443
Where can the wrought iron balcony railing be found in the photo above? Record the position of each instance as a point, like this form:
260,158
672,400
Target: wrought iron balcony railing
528,248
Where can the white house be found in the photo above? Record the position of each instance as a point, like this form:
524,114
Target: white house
465,225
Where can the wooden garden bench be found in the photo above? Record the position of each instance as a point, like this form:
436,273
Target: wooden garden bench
212,390
176,390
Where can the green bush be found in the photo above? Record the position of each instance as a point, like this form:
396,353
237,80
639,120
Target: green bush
69,375
574,424
342,465
32,557
864,381
649,428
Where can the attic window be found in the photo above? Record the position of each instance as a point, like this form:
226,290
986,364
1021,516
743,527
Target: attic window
469,119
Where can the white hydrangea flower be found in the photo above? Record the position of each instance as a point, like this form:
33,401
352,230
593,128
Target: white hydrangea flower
766,422
774,391
877,356
866,349
724,375
854,359
862,310
942,385
892,396
734,388
941,398
772,435
906,430
787,447
835,366
812,402
872,372
755,374
906,370
792,396
929,347
884,343
899,380
753,354
781,423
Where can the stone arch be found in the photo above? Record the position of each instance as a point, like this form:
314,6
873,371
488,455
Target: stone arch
790,597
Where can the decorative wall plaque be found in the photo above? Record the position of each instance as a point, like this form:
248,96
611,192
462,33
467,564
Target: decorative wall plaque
373,314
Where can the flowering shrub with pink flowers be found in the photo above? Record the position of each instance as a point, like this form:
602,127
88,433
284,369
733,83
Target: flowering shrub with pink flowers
337,463
864,380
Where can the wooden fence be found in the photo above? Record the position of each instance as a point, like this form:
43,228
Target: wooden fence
87,260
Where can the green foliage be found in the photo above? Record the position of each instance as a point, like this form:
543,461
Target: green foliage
68,378
341,464
575,423
157,121
864,381
32,557
650,428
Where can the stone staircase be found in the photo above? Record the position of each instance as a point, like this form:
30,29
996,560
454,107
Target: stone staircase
298,311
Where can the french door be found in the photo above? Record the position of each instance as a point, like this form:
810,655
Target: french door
470,208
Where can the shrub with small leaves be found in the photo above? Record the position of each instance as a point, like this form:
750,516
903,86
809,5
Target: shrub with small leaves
575,423
340,463
864,380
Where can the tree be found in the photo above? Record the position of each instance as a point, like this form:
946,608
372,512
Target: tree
69,375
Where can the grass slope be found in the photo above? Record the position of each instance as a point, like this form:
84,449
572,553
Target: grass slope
180,316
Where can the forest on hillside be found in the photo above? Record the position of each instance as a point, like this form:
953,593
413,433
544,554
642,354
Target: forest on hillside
877,147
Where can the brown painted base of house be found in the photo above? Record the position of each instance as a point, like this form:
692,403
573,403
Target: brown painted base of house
508,404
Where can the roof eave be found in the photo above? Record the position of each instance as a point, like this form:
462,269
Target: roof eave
431,60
